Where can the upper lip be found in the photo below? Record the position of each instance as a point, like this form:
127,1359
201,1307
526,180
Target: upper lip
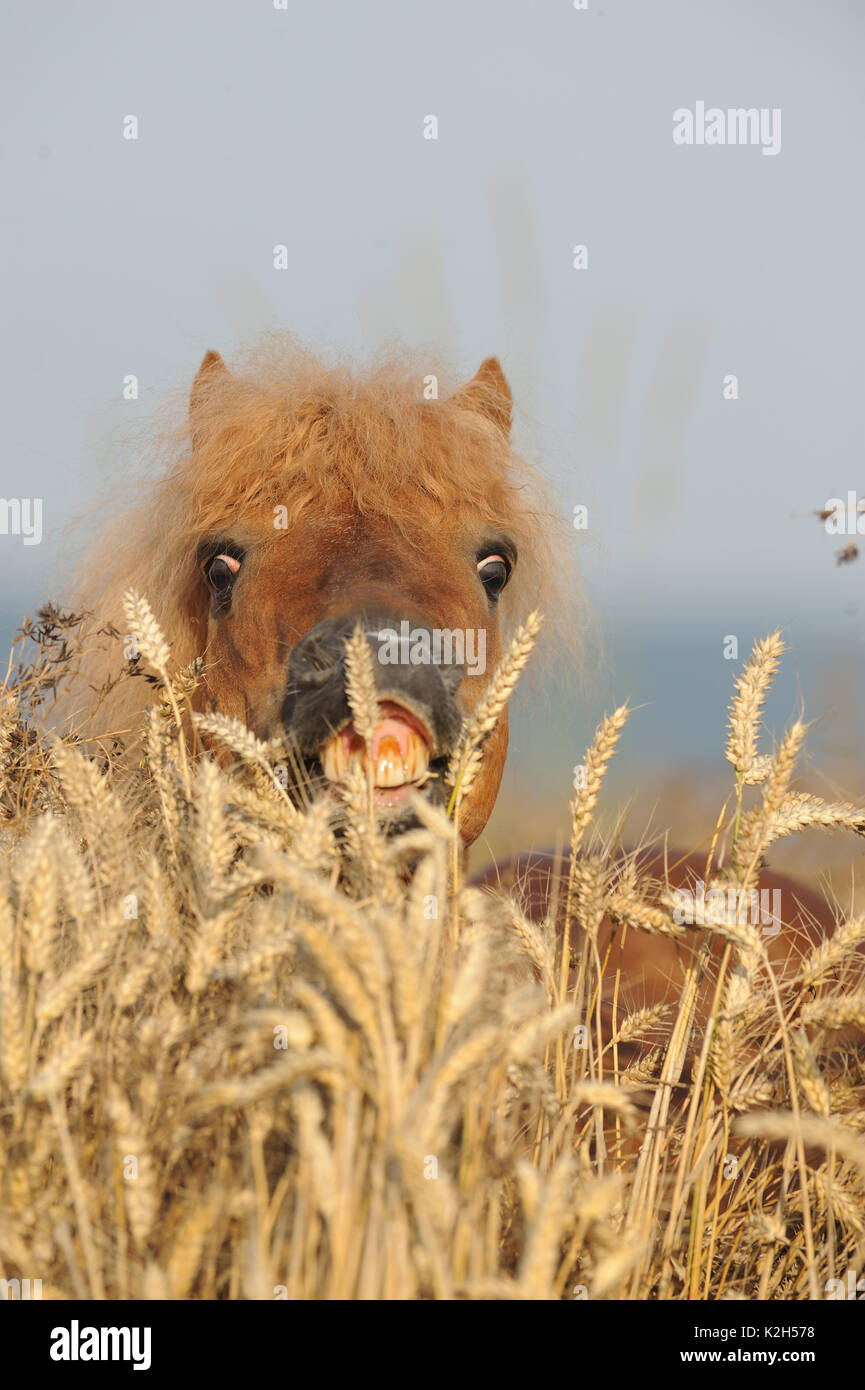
394,709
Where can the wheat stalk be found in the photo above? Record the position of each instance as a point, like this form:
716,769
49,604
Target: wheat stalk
845,939
327,1088
151,643
839,1012
360,685
746,708
466,759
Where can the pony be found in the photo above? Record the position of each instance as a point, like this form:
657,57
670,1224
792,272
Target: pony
302,500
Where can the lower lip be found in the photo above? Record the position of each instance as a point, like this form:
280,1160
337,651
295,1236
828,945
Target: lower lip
383,798
388,798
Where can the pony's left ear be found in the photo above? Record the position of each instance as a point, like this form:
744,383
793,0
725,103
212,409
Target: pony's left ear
488,393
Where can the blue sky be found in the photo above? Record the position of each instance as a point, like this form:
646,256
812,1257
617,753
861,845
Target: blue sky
304,127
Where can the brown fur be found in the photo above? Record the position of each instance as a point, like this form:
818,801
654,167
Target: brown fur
385,494
652,967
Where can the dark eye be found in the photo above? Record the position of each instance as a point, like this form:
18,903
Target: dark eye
494,571
220,573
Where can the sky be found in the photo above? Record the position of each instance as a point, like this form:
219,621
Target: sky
304,126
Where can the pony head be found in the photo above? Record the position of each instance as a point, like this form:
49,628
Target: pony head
304,502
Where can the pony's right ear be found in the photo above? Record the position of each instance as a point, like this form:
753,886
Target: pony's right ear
212,366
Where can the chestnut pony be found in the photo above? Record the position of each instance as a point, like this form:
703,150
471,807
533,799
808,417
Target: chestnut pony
303,500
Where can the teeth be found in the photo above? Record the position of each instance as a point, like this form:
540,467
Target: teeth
336,761
389,771
330,758
390,768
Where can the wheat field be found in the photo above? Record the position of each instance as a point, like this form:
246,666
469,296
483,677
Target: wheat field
251,1049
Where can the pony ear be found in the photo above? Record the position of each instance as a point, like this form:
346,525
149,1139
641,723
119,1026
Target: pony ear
488,393
211,365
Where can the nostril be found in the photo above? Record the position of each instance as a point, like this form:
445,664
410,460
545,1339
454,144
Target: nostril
452,677
314,659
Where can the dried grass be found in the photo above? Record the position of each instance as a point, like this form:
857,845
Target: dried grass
236,1064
